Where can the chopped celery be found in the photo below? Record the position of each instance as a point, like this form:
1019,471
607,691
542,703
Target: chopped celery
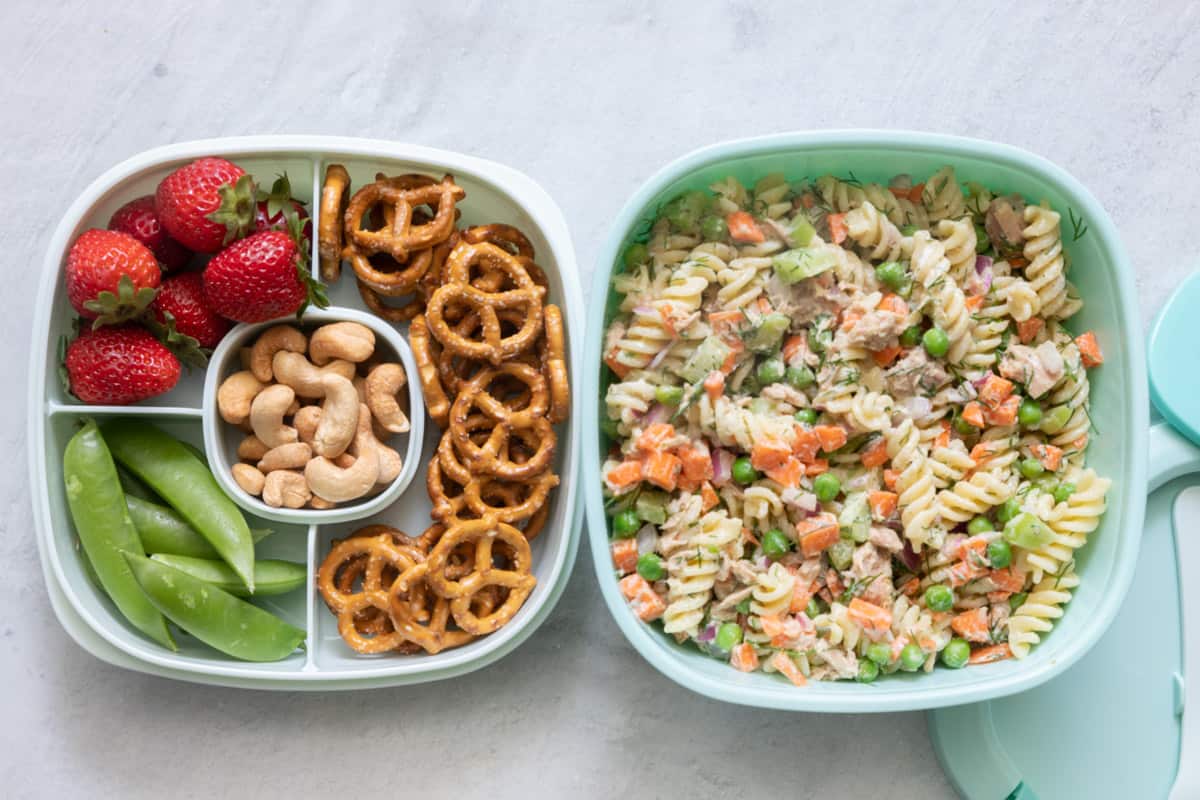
652,507
793,266
769,333
841,553
801,233
709,355
855,519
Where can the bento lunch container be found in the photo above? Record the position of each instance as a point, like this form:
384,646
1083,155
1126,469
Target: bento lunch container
1119,409
495,193
221,439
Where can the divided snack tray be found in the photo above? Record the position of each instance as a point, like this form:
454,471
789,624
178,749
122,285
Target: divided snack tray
494,194
1119,409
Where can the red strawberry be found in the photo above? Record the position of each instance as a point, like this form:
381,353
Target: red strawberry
271,211
139,219
182,296
110,275
206,204
261,277
119,365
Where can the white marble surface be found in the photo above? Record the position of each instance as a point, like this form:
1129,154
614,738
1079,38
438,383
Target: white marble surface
588,104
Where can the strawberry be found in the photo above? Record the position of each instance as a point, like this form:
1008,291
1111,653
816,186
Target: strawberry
111,276
139,219
261,277
181,300
118,365
272,210
206,204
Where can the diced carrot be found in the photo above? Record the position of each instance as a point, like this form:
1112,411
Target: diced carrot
816,534
964,572
697,462
662,469
971,549
1028,330
654,436
1050,456
986,655
801,594
816,467
1080,444
893,303
616,366
807,444
887,355
768,453
763,305
833,581
898,645
1007,580
1089,349
748,536
995,390
743,658
625,555
643,600
624,474
783,663
981,452
791,348
837,227
890,478
910,587
788,473
1005,413
808,200
850,318
783,629
971,625
668,320
831,436
869,616
714,385
943,438
724,322
998,597
915,193
883,504
974,303
686,484
875,453
708,497
1018,262
973,413
743,228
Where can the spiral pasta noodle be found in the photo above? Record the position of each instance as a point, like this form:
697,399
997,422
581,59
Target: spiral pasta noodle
959,240
1043,250
1035,617
876,234
943,197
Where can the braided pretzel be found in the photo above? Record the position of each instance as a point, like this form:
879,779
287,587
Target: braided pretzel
555,366
334,193
484,534
401,236
435,396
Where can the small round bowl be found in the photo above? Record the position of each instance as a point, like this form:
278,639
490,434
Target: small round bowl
221,439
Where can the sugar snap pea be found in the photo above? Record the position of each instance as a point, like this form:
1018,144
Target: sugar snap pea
271,576
184,481
105,530
164,531
214,616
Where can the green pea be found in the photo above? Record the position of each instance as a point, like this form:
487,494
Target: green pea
813,609
826,486
1030,413
982,242
820,340
214,616
1056,419
770,371
961,426
999,554
911,657
743,471
626,524
956,654
610,428
1017,600
775,543
1030,468
868,671
1008,509
271,576
911,336
908,230
636,255
743,607
936,342
980,525
729,635
650,566
1046,483
939,597
1063,492
799,377
669,395
880,653
1026,530
713,228
891,274
807,415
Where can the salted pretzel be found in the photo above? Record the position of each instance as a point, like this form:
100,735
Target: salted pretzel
376,561
429,630
422,346
506,236
400,236
334,193
481,392
515,576
513,502
554,364
396,278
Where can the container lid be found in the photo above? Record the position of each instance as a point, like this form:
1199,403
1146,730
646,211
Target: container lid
1114,725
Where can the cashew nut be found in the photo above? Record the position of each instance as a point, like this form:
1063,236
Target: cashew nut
270,342
306,421
236,394
287,456
287,489
249,478
348,340
335,484
266,415
360,386
320,504
296,371
344,460
382,384
390,463
339,417
251,449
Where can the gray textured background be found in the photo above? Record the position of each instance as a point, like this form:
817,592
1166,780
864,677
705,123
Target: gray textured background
589,104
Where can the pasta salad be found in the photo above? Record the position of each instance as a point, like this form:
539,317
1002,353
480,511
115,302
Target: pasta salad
848,425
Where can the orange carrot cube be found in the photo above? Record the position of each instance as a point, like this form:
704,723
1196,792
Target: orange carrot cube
625,555
869,616
743,658
1089,349
784,664
662,469
986,655
643,600
971,625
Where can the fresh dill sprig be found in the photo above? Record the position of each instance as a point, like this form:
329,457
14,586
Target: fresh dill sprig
1079,227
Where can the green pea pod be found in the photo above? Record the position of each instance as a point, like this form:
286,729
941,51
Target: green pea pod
214,616
185,482
105,530
134,487
164,531
271,576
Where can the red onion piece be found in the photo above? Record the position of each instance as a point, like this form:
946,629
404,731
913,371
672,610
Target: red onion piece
910,557
708,634
657,413
647,537
982,263
722,461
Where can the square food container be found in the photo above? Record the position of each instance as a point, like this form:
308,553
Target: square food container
1100,269
495,193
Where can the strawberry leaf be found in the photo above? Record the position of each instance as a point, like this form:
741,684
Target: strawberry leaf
236,211
63,375
126,304
316,290
186,348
